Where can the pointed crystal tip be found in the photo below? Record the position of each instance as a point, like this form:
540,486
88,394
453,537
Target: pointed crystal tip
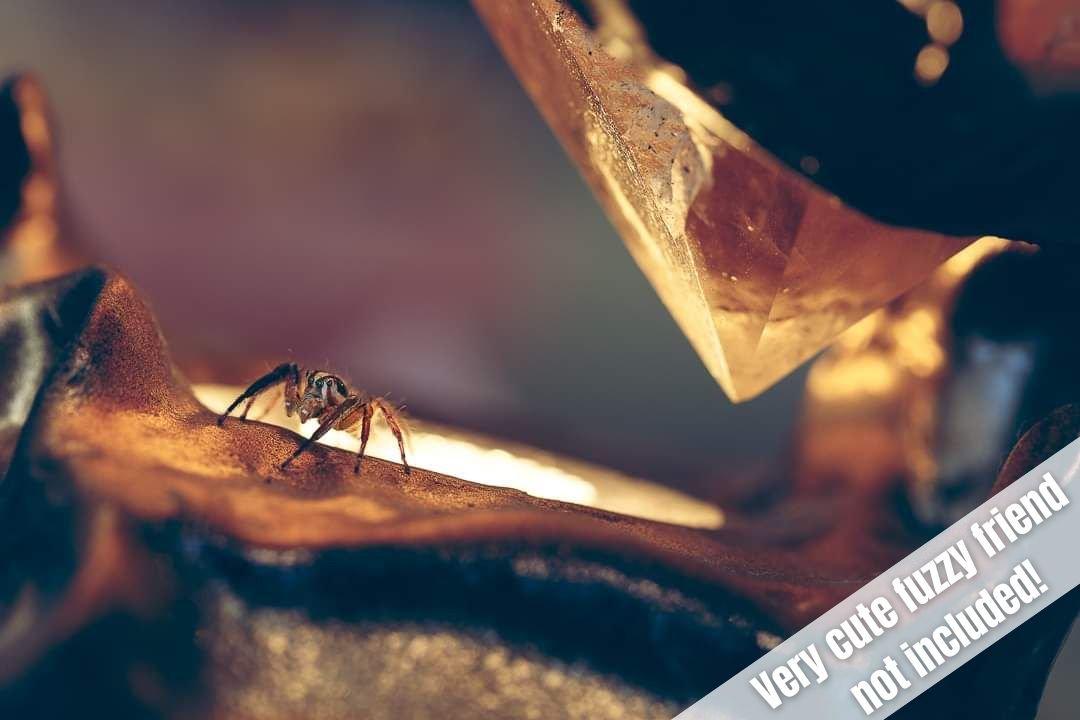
760,267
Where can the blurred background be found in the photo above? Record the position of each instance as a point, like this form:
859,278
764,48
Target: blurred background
364,186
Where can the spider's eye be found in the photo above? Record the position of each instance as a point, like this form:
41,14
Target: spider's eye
341,388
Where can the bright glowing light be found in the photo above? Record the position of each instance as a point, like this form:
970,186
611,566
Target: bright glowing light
869,375
944,22
488,461
930,64
963,262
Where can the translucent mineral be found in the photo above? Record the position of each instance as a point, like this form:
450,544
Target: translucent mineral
760,267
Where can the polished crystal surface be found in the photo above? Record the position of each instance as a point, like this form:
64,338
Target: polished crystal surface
760,267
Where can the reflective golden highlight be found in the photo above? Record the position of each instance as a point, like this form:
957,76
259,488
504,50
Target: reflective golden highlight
488,461
871,407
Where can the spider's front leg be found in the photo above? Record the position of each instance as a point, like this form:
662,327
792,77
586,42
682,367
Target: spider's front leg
289,373
325,425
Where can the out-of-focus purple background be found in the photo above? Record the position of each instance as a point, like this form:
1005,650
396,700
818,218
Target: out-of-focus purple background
365,186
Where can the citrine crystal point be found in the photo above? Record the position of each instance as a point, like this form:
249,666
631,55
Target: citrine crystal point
759,267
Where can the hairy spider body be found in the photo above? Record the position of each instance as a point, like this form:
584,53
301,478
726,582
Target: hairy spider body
322,396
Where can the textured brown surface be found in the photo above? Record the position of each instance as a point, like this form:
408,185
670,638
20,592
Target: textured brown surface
114,388
153,564
120,478
117,449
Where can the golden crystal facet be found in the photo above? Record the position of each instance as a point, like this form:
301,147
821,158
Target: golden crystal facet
760,267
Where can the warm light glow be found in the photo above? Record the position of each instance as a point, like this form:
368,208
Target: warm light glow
700,205
916,6
963,262
35,248
916,341
493,462
944,25
880,355
32,120
931,63
944,22
866,376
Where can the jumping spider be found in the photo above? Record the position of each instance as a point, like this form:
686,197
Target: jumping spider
327,399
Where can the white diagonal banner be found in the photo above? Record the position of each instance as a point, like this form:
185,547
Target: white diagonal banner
927,615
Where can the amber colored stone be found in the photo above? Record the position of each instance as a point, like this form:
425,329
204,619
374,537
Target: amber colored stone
760,267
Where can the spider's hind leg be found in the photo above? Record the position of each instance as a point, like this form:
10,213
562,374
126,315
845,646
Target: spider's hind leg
396,425
361,415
